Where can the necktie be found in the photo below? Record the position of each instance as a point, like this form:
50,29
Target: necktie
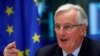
70,55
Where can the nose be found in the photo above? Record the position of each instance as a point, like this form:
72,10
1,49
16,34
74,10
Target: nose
62,31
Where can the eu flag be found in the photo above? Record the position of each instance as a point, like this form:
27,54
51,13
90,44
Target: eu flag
19,22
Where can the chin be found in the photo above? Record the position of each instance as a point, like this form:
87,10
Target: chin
62,45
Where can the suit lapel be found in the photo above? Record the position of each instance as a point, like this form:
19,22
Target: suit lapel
86,48
58,51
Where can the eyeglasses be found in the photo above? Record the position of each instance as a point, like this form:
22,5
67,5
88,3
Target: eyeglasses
66,27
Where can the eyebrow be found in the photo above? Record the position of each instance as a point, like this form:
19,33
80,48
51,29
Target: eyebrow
64,24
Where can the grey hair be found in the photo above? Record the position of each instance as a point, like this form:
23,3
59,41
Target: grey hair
81,15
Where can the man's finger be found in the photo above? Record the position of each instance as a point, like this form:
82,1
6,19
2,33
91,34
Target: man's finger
11,45
13,50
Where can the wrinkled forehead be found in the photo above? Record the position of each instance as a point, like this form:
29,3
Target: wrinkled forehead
66,16
71,10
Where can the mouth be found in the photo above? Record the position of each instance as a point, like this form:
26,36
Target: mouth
63,40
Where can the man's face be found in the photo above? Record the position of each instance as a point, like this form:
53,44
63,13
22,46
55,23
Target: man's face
69,33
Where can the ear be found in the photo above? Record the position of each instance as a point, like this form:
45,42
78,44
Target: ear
83,30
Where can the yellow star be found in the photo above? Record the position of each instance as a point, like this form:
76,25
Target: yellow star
20,53
9,10
36,2
26,52
36,38
9,29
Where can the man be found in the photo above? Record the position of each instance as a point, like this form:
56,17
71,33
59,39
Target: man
70,27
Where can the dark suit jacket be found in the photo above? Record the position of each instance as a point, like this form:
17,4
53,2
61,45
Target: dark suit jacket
89,48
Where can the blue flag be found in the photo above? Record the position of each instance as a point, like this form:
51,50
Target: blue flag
19,22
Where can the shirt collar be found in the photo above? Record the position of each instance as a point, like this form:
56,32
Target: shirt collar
75,53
